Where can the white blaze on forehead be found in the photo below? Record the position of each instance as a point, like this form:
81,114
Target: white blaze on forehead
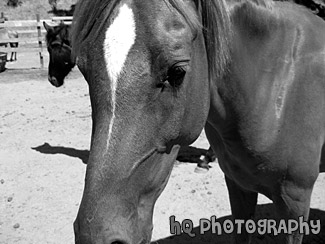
119,39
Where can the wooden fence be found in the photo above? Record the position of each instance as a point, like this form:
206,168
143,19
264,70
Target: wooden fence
31,35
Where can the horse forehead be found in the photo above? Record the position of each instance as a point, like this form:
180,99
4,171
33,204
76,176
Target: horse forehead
119,38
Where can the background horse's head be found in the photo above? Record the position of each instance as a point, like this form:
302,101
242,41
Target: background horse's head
59,48
146,64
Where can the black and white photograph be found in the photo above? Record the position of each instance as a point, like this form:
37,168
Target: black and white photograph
162,121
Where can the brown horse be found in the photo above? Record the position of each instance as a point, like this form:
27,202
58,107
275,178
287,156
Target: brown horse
159,71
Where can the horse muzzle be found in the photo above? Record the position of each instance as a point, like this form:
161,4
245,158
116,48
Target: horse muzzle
54,81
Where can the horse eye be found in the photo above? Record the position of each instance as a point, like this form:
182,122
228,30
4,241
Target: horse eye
176,74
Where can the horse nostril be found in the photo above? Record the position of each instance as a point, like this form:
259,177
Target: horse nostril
54,81
118,242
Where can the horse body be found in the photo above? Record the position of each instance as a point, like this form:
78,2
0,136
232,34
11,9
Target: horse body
59,48
267,91
270,134
8,34
254,78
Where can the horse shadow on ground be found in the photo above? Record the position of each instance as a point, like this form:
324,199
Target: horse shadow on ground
264,211
46,148
186,154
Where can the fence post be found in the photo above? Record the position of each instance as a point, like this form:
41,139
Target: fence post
39,34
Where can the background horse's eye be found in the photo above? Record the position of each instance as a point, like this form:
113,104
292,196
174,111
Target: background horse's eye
176,74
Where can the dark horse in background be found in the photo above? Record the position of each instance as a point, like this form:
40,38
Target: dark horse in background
59,48
159,71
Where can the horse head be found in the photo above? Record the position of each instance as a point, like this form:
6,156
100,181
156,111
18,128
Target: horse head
144,62
59,48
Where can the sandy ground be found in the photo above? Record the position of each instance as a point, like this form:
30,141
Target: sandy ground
44,138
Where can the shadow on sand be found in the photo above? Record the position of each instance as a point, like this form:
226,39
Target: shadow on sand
48,149
264,211
186,154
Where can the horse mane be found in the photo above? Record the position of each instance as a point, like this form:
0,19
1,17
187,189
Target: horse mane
215,24
216,31
254,17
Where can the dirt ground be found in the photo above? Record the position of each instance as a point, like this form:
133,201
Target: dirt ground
44,138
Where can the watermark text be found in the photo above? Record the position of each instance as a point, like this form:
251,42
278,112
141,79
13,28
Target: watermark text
261,226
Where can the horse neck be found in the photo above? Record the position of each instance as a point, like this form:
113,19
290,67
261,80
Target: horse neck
252,27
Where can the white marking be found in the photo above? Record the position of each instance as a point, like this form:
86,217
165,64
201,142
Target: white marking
119,39
284,88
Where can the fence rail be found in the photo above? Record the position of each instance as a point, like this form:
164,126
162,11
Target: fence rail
30,32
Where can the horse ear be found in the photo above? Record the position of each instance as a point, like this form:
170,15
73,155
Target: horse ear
47,27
